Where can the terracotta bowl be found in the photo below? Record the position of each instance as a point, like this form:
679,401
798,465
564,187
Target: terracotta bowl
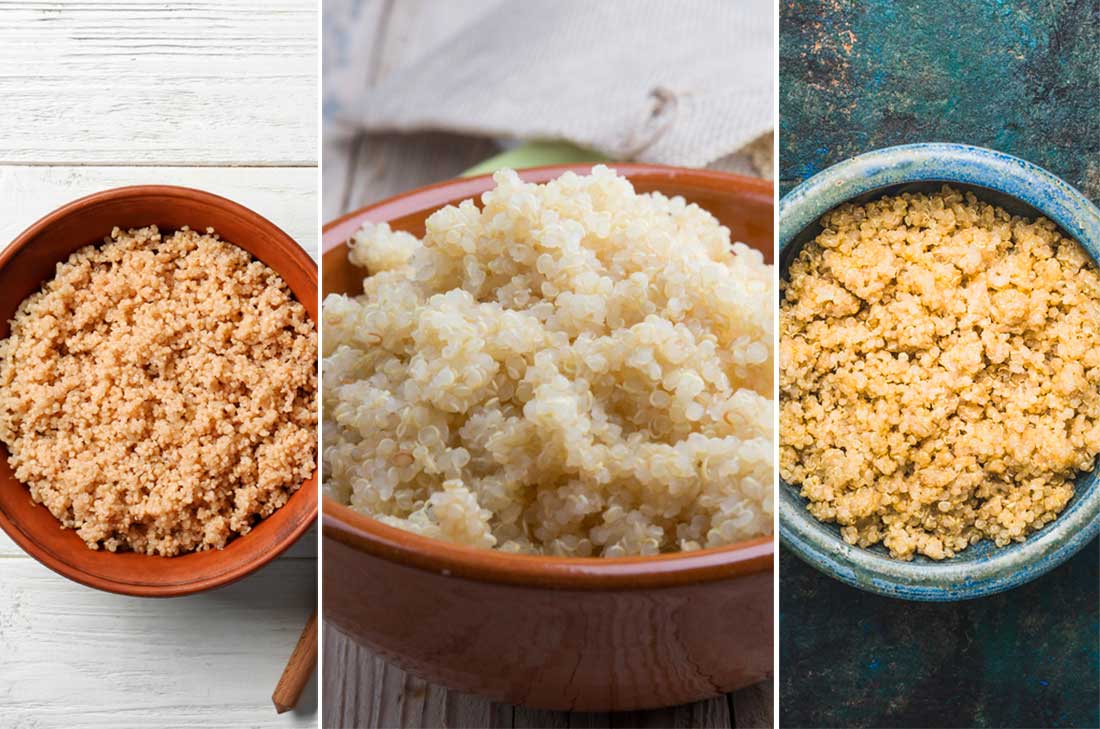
553,633
25,265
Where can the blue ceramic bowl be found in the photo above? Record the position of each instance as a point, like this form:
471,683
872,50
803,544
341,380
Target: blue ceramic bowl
1023,189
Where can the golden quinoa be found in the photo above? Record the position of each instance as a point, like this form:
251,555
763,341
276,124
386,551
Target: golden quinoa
574,369
159,393
939,373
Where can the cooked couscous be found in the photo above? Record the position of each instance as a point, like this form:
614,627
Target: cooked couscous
572,369
939,373
159,393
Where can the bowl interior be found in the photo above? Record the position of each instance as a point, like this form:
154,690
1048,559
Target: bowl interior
1013,205
744,205
980,569
25,266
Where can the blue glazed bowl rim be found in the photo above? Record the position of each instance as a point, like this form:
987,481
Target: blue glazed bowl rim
952,579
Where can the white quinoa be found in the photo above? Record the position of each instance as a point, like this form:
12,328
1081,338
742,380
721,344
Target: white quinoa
939,373
159,393
575,369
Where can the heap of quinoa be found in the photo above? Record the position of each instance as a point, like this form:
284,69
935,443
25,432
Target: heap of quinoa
571,369
159,393
939,373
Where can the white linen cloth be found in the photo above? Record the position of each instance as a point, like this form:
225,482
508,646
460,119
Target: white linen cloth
683,82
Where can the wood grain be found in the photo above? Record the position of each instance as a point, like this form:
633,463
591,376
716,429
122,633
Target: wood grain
752,707
362,690
203,82
73,655
370,39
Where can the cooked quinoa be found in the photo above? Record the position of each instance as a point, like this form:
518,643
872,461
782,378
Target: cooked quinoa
939,373
573,369
159,393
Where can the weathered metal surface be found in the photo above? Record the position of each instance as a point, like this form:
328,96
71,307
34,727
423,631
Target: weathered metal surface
1022,77
1019,76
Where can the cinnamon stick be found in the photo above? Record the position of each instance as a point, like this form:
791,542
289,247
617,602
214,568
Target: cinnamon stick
298,669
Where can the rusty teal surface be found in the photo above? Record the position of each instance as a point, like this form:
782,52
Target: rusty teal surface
1021,77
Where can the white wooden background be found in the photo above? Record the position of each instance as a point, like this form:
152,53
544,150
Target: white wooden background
211,94
363,41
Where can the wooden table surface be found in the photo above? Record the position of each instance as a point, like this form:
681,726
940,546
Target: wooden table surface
363,41
214,95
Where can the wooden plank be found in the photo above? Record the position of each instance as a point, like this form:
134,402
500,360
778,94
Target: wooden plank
667,718
708,714
388,164
139,82
9,549
362,690
74,654
343,671
466,710
589,719
752,706
287,197
524,718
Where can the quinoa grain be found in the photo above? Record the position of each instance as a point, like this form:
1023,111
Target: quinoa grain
159,393
573,369
939,373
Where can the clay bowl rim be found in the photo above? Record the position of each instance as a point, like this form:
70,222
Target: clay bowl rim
26,540
363,533
1005,180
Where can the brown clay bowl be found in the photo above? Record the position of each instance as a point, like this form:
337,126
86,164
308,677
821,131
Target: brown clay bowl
553,633
25,265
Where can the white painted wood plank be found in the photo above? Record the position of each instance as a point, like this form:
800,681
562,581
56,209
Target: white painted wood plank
287,197
135,81
9,549
74,656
